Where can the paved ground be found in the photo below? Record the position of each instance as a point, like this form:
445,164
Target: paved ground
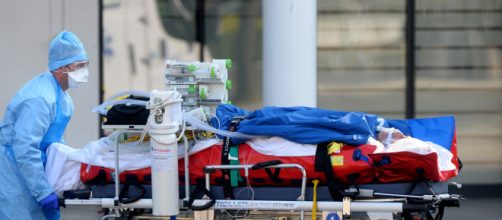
486,209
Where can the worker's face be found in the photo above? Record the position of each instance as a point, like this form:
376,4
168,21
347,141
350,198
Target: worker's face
77,74
63,72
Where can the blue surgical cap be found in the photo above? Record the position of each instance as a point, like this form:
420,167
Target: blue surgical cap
65,49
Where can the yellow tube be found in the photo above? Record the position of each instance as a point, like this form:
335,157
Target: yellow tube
314,200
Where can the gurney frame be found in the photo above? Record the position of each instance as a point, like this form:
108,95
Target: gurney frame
379,208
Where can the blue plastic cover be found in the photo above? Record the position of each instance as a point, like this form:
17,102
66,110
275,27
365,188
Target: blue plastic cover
300,124
308,125
438,130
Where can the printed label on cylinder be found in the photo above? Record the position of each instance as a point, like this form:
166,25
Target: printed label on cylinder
163,160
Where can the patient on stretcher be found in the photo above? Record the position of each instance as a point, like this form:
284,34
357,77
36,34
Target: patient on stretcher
64,163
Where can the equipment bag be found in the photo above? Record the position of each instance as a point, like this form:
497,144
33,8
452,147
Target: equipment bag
124,114
128,114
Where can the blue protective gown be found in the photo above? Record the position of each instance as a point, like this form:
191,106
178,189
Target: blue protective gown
35,117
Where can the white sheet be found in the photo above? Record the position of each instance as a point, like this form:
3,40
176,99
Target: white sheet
280,147
424,147
64,162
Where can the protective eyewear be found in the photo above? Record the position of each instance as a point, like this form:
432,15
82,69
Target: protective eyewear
79,65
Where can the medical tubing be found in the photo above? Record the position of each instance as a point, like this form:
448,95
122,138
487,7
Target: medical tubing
182,133
143,133
102,107
156,109
246,211
203,126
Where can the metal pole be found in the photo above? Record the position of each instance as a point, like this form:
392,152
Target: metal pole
263,205
117,171
200,27
187,172
301,205
249,166
410,59
100,62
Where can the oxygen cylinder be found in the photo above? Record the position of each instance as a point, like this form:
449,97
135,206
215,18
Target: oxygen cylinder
164,152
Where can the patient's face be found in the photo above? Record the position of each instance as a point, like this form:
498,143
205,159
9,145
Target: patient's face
396,135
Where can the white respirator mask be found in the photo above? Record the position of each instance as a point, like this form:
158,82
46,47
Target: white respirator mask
78,77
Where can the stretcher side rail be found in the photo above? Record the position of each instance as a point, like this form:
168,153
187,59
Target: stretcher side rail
121,130
246,167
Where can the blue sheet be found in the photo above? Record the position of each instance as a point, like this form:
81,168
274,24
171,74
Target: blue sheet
301,124
439,130
308,125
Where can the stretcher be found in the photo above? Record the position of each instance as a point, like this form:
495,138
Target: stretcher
205,198
407,199
404,198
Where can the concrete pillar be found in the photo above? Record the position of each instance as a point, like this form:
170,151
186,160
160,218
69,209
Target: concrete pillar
290,52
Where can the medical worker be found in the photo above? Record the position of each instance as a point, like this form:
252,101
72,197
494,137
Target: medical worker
36,117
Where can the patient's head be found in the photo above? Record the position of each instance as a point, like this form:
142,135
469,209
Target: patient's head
389,135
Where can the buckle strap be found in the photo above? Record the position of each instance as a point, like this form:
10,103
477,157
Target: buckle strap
225,153
323,164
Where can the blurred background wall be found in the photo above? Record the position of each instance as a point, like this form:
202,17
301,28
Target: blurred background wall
26,30
361,64
361,67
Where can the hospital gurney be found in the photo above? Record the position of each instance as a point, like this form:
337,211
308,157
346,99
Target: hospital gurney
394,197
383,199
389,200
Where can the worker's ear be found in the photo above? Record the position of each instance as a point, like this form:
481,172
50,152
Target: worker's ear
56,72
60,70
59,73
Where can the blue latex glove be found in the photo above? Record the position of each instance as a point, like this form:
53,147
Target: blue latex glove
50,202
51,214
50,207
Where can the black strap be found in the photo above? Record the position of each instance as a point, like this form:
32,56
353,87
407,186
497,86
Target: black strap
131,181
225,151
428,215
266,164
420,179
275,175
77,194
439,215
61,202
323,164
199,191
100,179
